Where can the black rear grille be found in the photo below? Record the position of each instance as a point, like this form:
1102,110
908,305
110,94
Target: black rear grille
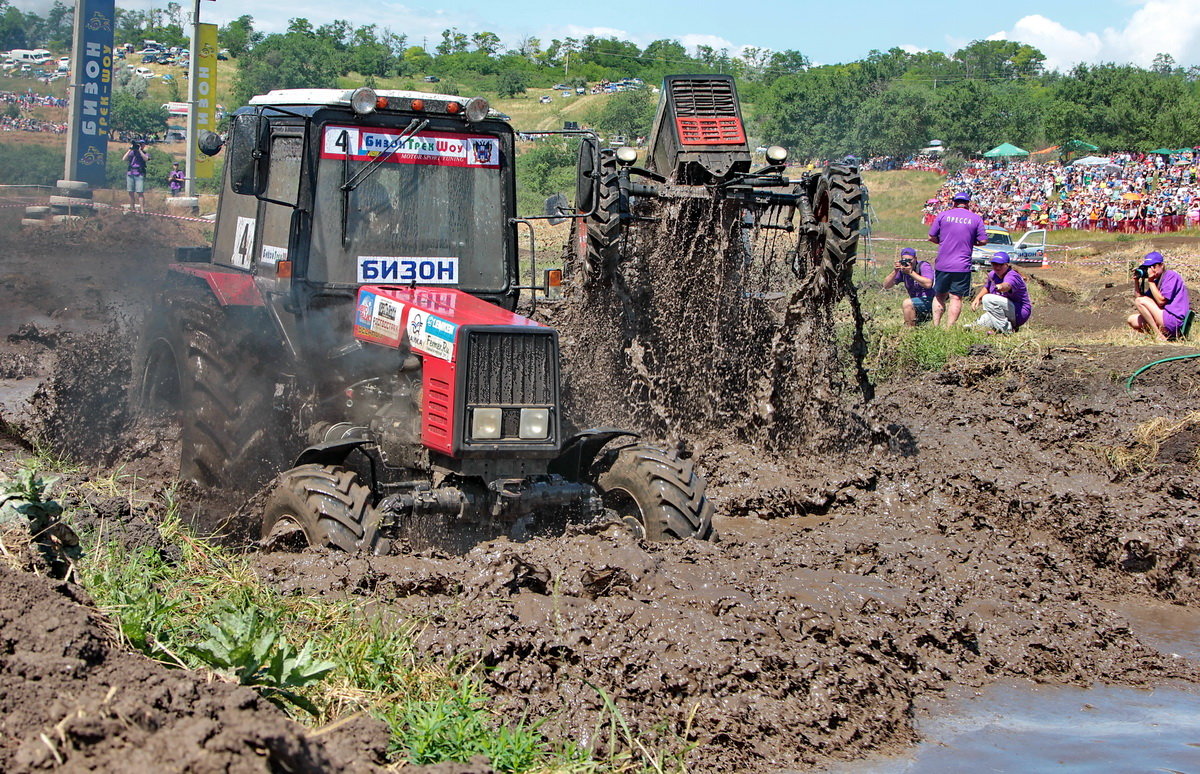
511,368
703,98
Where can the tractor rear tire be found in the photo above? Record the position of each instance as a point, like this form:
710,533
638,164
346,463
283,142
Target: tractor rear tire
836,200
599,250
329,504
656,488
210,364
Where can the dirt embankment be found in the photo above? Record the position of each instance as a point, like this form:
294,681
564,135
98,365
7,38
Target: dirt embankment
979,529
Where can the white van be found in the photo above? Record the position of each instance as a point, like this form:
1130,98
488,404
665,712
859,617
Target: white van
31,56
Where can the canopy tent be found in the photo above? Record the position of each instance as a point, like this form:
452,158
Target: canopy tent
1164,151
1079,145
1092,161
1005,151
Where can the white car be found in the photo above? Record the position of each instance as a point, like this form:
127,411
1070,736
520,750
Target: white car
143,72
545,99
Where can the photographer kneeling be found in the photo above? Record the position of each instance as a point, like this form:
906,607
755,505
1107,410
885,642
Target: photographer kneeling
1161,299
917,276
1004,298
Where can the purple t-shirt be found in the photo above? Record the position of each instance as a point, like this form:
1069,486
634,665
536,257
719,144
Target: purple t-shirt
1170,284
1017,293
911,285
957,230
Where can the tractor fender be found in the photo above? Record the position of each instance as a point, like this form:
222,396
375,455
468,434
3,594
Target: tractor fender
231,288
329,453
581,450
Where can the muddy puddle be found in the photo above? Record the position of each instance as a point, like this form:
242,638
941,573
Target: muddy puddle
1021,727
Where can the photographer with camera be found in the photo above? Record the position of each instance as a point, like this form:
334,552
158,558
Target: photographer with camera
1004,298
135,177
917,276
1161,299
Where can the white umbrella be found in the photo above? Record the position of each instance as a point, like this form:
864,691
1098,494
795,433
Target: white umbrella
1092,161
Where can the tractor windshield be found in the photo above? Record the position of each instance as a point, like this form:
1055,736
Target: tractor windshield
430,211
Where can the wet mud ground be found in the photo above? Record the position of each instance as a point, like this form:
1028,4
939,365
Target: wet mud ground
1004,513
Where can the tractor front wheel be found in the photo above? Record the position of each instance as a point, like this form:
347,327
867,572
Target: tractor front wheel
659,490
329,504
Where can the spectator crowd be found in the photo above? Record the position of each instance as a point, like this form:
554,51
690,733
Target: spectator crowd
1133,193
24,101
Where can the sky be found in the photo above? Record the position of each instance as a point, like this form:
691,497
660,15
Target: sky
1066,31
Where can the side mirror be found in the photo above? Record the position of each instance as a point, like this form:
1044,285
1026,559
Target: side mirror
210,143
557,209
248,154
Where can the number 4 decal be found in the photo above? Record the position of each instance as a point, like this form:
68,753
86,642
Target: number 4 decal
243,243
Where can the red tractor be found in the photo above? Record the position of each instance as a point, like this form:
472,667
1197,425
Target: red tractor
353,326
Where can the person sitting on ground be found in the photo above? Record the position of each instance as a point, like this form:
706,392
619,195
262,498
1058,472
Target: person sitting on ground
917,276
1161,299
956,232
1004,298
175,179
135,177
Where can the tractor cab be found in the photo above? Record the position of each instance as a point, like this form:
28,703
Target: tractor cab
341,188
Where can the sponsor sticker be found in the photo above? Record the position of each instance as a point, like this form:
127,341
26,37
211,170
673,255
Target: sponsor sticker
443,149
430,334
406,270
377,319
272,255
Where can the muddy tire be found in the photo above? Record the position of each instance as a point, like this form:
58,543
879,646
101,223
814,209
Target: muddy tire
210,366
329,504
599,250
658,489
827,256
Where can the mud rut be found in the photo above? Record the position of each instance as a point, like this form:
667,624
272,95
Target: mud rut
962,527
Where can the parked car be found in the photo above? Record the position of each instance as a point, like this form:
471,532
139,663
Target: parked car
431,79
560,87
568,94
545,99
1029,249
149,58
143,72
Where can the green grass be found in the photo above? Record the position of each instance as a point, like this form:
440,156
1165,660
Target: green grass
436,711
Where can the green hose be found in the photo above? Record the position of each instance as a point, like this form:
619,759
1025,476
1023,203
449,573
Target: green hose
1148,366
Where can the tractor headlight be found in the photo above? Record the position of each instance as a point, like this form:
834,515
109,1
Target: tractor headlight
626,155
486,423
535,424
362,101
476,109
777,154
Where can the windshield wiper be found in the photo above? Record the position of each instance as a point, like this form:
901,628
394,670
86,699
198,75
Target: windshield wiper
409,131
353,181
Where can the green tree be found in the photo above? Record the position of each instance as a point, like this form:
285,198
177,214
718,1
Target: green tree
453,42
893,123
511,83
238,35
486,42
1000,59
288,61
370,54
628,113
136,116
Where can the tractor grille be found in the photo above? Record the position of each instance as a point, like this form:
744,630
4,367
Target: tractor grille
703,98
507,368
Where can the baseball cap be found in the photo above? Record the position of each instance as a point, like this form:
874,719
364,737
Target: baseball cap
1153,259
909,251
999,257
962,196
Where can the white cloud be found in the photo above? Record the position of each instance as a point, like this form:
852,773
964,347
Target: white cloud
692,40
909,48
1157,26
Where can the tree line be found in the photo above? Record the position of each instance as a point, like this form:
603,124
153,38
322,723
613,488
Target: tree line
888,103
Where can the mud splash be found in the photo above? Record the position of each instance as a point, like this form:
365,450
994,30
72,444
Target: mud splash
709,327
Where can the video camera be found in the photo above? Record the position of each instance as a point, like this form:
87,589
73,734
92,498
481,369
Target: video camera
1141,272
